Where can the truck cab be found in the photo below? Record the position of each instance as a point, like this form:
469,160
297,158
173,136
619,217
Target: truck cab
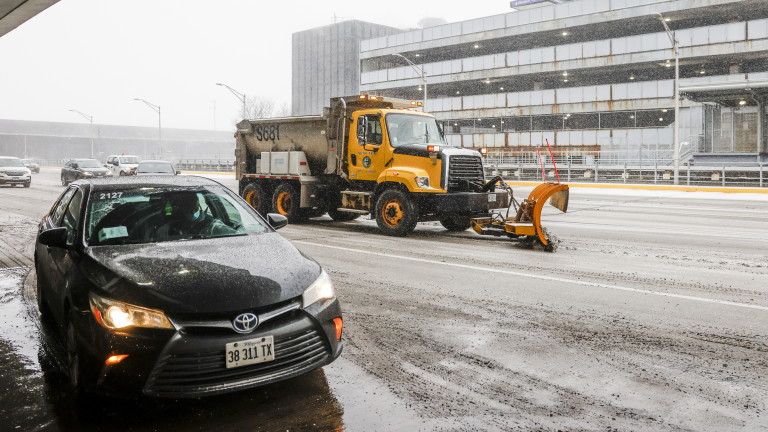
123,164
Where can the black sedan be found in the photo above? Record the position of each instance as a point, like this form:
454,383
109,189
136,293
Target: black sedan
76,169
175,287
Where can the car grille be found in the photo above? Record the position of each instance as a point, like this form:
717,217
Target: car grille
195,374
15,173
464,168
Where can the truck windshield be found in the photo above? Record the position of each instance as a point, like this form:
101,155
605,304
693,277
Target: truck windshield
407,129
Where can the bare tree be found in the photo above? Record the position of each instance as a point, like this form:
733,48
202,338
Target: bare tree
258,107
284,110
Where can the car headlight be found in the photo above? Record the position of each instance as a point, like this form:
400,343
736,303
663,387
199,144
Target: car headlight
114,314
422,182
2,171
87,174
321,289
108,174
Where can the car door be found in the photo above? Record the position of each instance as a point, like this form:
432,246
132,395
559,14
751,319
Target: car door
65,171
46,272
62,266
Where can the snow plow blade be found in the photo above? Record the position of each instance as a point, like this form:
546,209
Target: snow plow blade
526,224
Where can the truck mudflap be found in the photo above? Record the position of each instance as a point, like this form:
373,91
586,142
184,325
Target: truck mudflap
526,223
470,202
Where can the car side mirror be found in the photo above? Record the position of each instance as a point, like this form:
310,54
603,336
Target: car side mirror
277,220
106,166
54,237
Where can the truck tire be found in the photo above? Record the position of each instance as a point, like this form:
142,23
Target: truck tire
286,201
255,195
455,222
396,213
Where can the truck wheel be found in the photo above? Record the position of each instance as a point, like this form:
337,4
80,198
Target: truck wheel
396,213
455,222
286,201
255,195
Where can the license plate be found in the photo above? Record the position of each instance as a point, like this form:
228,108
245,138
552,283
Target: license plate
492,198
250,351
15,178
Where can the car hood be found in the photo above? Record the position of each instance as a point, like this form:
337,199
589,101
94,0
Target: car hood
94,170
208,276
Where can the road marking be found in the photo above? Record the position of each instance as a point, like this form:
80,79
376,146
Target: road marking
540,277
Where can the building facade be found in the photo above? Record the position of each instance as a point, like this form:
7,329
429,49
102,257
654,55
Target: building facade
591,77
326,63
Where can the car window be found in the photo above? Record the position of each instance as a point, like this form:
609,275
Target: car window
155,167
149,215
129,159
58,208
71,216
11,163
89,163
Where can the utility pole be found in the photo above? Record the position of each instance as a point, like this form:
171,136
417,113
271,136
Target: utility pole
676,143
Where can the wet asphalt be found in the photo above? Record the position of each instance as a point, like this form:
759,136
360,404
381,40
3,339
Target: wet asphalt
651,316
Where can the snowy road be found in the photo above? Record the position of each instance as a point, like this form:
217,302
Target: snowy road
652,315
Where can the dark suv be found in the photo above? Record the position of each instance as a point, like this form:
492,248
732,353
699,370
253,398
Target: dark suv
76,169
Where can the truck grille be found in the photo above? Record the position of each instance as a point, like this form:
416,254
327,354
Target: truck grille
194,374
15,173
464,168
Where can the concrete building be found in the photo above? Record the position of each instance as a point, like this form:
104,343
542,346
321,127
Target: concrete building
54,141
326,63
592,76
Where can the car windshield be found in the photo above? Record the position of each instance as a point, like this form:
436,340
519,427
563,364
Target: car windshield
27,161
88,163
11,163
129,159
155,167
406,129
159,214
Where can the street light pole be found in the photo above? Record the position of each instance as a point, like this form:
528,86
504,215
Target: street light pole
90,119
423,73
676,143
156,108
239,95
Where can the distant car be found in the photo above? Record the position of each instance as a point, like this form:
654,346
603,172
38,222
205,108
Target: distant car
175,287
123,165
77,169
13,172
156,167
32,165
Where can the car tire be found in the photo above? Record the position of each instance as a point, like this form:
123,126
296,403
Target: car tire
28,184
122,173
396,213
76,363
286,201
257,196
455,222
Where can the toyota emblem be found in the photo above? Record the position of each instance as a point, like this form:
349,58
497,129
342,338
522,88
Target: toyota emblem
245,323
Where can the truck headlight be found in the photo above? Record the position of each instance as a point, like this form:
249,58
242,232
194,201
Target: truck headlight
114,314
108,174
321,289
422,182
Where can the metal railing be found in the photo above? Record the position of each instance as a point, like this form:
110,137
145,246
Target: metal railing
616,167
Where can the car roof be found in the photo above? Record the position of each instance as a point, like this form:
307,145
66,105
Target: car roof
84,159
155,161
8,157
118,183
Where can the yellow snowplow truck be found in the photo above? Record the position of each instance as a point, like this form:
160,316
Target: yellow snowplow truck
366,155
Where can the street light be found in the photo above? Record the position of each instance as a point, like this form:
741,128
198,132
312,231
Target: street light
90,119
156,108
423,77
239,95
675,48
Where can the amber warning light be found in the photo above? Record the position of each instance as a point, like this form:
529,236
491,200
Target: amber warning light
433,148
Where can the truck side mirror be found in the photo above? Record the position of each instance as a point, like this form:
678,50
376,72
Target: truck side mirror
362,127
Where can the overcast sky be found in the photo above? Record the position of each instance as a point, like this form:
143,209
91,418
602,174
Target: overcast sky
96,56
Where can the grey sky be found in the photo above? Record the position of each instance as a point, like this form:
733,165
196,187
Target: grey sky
95,56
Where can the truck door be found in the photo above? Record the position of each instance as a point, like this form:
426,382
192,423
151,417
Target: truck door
367,151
